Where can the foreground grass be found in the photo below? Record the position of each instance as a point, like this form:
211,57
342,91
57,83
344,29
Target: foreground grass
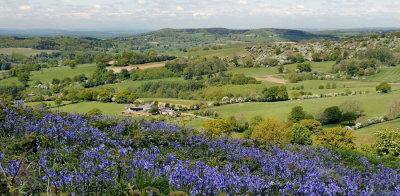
366,135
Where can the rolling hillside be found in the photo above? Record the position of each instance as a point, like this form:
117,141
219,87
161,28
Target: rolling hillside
183,38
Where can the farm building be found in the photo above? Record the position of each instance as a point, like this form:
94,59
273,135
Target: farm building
143,107
168,112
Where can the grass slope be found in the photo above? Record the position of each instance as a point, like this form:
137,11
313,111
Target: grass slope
24,51
46,75
280,110
365,135
387,74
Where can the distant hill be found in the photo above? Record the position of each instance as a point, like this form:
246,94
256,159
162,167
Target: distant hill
346,33
98,34
182,38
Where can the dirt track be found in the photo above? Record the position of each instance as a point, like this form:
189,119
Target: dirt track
272,78
118,69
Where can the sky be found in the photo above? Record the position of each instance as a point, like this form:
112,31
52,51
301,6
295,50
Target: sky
235,14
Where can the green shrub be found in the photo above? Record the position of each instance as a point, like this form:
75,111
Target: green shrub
388,142
297,114
304,67
95,112
218,127
383,87
314,126
300,135
337,137
271,131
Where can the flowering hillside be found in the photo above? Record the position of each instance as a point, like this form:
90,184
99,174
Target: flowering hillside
59,153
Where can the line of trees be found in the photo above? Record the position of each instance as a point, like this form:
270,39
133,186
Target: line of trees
196,66
132,58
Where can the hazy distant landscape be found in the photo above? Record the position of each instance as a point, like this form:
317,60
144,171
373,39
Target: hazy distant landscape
106,102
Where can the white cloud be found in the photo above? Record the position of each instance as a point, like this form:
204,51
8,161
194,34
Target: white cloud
199,13
25,7
203,14
242,2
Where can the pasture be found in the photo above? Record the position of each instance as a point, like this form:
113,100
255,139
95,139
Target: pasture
110,109
264,72
47,74
141,66
129,84
226,51
387,74
280,110
24,51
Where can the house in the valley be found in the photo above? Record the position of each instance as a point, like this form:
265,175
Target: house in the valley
143,107
168,112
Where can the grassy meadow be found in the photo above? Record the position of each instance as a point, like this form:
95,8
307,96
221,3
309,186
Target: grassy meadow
24,51
387,74
47,74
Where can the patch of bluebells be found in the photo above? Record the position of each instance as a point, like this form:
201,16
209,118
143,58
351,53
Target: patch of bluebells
85,154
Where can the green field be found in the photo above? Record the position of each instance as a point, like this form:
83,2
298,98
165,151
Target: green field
171,101
47,74
366,135
110,109
387,74
236,90
280,110
226,51
24,51
263,72
129,84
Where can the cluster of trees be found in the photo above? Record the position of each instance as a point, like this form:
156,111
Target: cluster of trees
297,130
382,54
348,112
296,77
356,67
103,76
241,79
224,79
304,67
104,94
132,58
5,63
249,61
295,58
335,55
196,66
150,74
56,43
170,89
16,92
17,63
275,93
